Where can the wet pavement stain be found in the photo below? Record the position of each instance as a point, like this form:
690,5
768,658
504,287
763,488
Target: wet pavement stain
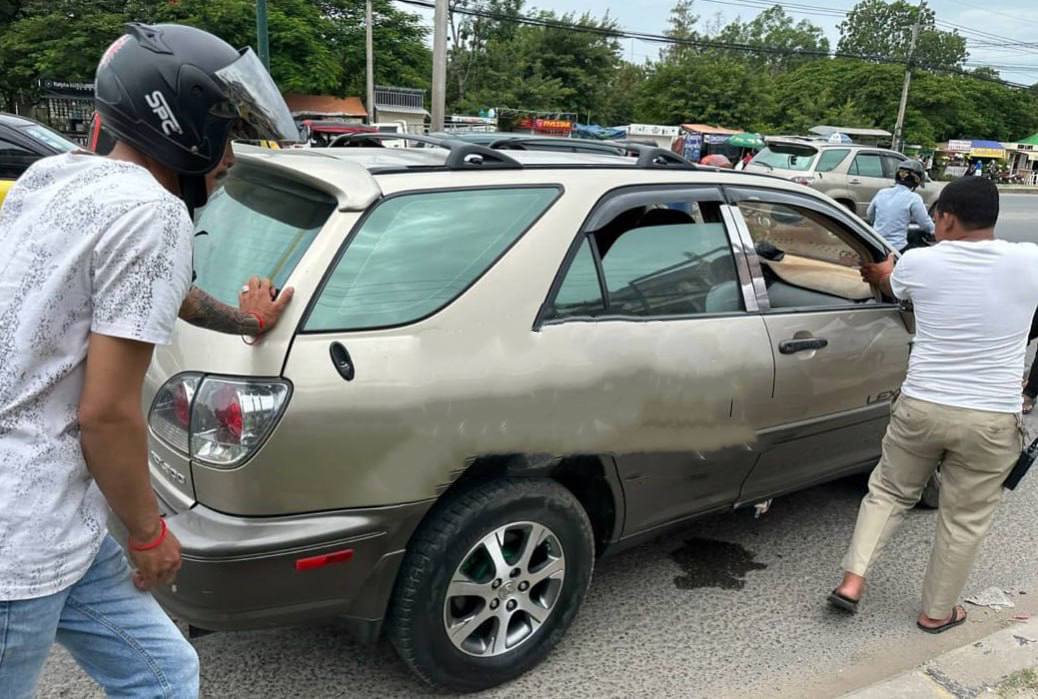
712,563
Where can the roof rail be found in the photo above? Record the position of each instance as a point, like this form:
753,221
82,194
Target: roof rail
655,157
460,155
521,142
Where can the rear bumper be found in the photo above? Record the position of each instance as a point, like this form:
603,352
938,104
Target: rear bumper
240,572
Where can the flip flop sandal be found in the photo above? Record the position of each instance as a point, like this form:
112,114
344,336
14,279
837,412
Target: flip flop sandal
955,620
844,604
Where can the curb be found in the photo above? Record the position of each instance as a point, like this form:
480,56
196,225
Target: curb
1017,189
970,672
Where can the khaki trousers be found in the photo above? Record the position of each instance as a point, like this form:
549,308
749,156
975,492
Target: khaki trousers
978,450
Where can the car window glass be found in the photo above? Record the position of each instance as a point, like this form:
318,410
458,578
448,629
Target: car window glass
830,159
416,253
51,138
799,160
669,258
254,226
868,165
806,257
580,293
890,165
14,159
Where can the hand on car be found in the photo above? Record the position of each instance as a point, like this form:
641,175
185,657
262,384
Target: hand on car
878,272
260,298
157,566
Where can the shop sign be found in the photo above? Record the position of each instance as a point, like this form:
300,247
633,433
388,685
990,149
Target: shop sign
553,125
987,153
652,130
960,146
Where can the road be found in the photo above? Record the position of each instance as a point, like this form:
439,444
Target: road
734,606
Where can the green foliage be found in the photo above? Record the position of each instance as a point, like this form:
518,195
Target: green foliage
316,46
774,29
884,30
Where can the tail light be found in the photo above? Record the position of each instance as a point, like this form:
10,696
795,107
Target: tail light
217,421
804,180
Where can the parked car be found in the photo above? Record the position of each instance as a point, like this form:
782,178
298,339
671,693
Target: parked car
497,368
852,174
23,142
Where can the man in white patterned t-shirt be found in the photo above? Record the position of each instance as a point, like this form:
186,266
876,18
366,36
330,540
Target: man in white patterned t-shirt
96,267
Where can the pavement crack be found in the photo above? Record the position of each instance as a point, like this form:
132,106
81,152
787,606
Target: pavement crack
949,685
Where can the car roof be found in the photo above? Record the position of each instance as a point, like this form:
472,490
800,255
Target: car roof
14,121
352,175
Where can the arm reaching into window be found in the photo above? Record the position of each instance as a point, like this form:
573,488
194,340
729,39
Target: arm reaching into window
257,313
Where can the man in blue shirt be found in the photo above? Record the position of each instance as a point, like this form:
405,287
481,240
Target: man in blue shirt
894,209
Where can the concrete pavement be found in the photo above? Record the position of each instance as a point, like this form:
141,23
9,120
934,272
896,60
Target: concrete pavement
1000,665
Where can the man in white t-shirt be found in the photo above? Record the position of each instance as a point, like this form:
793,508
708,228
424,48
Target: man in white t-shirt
96,265
973,298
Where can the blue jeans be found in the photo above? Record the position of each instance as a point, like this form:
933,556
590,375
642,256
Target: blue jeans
118,635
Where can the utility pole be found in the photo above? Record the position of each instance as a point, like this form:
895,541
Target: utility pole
439,76
262,41
899,141
370,50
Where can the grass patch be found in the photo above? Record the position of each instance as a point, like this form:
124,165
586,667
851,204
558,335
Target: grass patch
1020,684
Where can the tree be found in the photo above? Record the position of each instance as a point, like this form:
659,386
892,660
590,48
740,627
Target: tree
681,26
788,43
881,30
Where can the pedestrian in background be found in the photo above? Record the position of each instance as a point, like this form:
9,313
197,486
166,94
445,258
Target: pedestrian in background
98,262
974,298
893,210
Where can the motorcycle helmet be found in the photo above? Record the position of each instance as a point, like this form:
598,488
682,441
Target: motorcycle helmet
910,173
175,93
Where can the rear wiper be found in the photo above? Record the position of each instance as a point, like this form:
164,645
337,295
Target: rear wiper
770,167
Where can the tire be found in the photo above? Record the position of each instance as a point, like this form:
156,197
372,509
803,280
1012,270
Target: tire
452,545
931,493
847,204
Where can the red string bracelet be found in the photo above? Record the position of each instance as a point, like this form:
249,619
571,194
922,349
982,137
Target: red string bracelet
258,320
154,543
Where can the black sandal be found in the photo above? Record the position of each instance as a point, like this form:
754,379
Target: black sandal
843,603
955,620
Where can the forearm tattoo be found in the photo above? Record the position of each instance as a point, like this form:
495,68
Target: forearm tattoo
201,309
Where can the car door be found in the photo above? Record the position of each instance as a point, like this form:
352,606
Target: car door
654,285
16,156
866,177
840,350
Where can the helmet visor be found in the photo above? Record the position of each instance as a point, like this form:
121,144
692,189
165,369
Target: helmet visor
255,99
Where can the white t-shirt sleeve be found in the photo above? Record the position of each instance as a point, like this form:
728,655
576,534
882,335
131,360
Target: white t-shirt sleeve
904,279
141,272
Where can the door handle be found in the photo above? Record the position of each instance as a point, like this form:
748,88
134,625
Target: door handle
805,345
854,181
342,361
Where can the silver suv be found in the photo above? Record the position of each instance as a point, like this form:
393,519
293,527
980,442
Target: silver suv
498,367
851,174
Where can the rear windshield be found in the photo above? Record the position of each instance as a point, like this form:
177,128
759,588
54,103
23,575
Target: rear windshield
787,159
418,252
51,138
255,226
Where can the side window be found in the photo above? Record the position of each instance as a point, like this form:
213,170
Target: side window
831,159
15,160
664,258
868,165
580,294
808,259
416,253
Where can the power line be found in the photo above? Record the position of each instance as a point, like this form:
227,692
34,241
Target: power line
617,33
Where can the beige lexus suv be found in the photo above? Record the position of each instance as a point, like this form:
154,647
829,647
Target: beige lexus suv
498,367
850,173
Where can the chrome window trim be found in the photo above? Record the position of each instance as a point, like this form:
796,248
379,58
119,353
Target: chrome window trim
755,293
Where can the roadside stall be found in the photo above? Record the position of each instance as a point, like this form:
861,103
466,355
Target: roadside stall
748,145
1022,158
986,155
695,141
654,134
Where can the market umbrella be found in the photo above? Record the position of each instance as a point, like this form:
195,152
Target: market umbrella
747,140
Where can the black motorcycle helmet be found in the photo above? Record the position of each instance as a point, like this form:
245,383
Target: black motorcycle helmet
175,93
910,173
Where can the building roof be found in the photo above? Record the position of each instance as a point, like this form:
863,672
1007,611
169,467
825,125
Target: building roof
830,130
325,105
1030,140
400,109
707,128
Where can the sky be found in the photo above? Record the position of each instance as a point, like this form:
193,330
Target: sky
989,25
